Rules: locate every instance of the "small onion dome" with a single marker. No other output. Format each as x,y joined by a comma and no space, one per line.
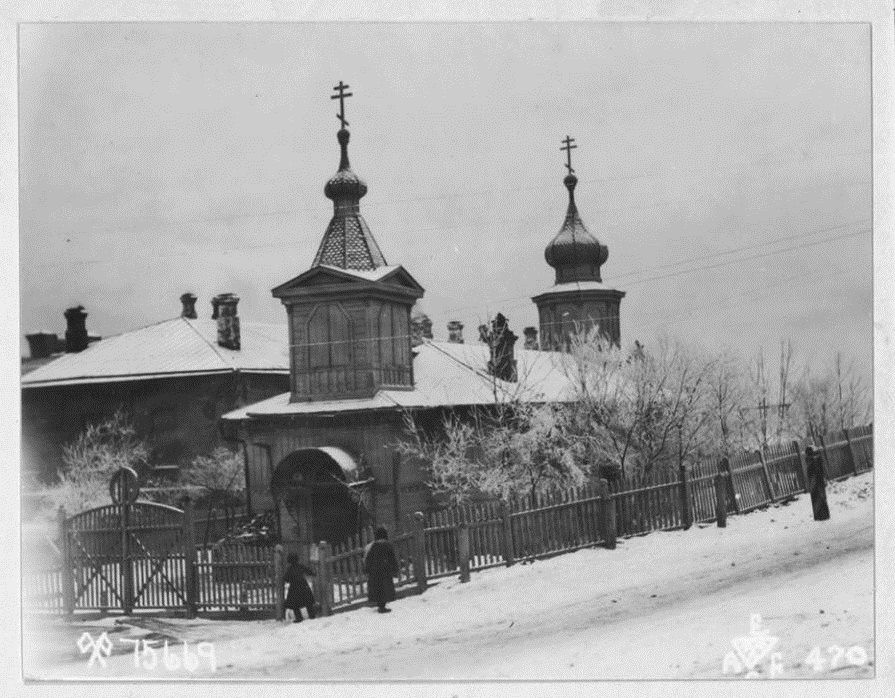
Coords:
347,242
574,252
344,185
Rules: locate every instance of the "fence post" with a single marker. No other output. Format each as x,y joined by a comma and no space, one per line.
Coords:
68,581
803,466
766,476
278,572
419,550
851,452
243,599
721,498
324,552
127,567
684,486
817,484
731,488
463,550
189,558
607,515
509,554
826,457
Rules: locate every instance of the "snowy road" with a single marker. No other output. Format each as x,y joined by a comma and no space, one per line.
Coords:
666,605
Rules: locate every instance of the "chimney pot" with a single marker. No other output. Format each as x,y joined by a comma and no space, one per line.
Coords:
455,332
42,344
189,306
531,338
76,338
224,305
420,329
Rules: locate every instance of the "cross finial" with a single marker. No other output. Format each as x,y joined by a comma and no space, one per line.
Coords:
340,88
568,148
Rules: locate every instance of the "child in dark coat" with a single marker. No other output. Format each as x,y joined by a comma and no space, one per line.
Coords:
381,565
300,594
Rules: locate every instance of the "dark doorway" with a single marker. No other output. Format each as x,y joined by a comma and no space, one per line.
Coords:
312,487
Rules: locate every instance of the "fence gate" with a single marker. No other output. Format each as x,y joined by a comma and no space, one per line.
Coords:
128,555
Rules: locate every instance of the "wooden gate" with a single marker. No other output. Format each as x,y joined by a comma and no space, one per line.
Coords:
128,555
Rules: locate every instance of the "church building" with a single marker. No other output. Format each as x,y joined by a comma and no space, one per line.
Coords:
325,455
578,300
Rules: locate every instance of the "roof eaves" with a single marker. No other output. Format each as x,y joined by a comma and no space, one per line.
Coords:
120,378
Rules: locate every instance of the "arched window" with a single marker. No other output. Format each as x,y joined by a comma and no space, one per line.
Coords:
329,337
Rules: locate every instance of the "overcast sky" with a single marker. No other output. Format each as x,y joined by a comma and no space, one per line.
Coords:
163,158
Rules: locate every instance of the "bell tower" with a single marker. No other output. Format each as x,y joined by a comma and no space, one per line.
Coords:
578,300
349,314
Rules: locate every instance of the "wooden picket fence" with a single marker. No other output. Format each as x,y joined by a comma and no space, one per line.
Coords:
238,576
471,537
235,576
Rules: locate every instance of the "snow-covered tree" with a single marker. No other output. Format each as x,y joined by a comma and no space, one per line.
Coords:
838,398
642,410
91,459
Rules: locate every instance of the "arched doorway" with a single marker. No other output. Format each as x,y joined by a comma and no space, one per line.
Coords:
311,489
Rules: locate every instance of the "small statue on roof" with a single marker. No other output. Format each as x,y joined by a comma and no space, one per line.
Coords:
501,341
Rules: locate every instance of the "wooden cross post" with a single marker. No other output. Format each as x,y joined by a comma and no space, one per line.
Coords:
568,147
342,94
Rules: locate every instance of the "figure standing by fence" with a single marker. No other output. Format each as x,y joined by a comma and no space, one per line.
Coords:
817,484
300,595
381,565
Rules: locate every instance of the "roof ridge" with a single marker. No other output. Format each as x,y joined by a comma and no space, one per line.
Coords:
135,329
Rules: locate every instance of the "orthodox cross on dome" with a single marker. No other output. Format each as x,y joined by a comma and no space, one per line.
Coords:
568,148
340,88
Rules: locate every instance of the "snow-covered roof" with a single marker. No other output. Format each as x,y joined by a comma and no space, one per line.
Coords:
367,274
178,347
445,374
577,286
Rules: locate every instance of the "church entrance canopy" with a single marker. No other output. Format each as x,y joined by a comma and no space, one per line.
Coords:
316,503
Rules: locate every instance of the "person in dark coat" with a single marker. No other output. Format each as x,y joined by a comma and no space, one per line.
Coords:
381,566
300,595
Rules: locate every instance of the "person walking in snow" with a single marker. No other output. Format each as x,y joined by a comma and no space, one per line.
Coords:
381,566
300,595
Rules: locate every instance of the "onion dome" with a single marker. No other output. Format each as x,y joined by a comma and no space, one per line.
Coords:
347,242
574,252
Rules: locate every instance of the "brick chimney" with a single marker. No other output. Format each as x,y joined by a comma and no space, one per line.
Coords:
189,306
76,338
224,305
455,331
501,341
42,344
420,329
531,338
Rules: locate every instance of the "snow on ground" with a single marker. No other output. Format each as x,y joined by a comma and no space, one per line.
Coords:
665,605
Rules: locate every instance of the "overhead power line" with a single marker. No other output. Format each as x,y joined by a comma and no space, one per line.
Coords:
616,317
